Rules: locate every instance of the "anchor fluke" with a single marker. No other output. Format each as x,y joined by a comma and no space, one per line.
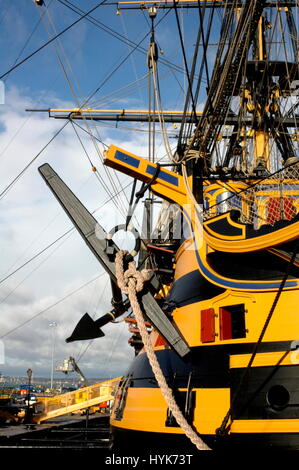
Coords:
86,328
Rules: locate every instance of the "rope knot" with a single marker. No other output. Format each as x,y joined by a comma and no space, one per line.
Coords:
131,278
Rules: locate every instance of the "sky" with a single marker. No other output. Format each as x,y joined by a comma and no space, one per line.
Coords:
91,64
66,280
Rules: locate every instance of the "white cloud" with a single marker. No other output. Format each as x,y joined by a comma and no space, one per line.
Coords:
30,219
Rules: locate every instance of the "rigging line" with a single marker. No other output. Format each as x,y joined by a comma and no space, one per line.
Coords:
51,40
278,124
25,121
11,184
115,98
119,207
108,175
185,61
282,31
224,426
83,352
60,237
204,41
99,24
131,57
219,71
246,44
110,178
226,22
87,131
254,115
172,134
83,147
117,35
29,37
38,237
15,134
228,156
159,109
63,53
52,305
151,125
75,96
121,328
201,70
101,180
70,84
187,97
137,81
121,63
31,272
36,255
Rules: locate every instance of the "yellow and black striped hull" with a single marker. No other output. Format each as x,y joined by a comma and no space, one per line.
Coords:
222,327
216,372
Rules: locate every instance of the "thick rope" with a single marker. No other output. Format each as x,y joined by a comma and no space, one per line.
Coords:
130,282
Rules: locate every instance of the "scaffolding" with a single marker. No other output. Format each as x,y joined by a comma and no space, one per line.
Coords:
75,401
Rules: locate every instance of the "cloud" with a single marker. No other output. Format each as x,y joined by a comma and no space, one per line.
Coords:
30,219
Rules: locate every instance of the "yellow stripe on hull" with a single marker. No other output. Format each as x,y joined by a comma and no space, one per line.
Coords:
265,426
262,242
146,410
286,358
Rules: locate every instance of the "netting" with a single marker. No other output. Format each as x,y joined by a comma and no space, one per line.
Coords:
268,201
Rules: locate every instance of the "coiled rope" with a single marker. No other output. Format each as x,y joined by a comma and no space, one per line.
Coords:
131,282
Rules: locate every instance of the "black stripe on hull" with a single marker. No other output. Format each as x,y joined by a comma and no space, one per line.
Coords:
189,289
209,365
125,439
149,443
267,393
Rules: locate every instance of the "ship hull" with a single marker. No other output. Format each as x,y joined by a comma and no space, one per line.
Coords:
143,443
265,414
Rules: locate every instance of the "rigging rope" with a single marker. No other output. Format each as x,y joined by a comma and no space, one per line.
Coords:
11,184
131,282
119,36
51,306
93,167
51,40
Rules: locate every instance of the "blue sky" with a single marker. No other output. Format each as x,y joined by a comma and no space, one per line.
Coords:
92,52
30,218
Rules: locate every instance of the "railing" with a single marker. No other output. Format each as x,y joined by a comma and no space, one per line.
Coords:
269,200
86,397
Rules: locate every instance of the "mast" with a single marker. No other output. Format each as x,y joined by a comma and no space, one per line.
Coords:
245,70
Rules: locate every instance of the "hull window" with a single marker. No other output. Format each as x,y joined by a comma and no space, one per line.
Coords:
232,322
